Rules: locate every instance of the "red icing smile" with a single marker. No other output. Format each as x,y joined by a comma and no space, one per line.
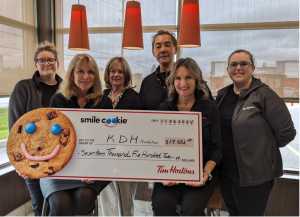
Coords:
111,126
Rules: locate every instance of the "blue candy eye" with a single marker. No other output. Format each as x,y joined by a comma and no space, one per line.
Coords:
55,129
114,120
108,121
30,128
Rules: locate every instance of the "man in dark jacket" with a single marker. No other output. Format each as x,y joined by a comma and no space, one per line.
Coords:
153,89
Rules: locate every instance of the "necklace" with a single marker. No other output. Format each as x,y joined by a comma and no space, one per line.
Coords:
117,99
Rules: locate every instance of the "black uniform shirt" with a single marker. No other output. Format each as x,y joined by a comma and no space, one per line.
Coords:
59,101
48,91
228,165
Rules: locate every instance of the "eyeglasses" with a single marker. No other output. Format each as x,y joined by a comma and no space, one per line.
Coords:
243,65
43,61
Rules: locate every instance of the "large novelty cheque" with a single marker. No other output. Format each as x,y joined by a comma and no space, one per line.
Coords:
135,145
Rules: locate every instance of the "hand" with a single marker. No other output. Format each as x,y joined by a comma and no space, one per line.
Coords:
205,178
170,183
194,184
87,181
22,175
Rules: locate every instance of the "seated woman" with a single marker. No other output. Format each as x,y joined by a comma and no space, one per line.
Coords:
187,92
118,77
80,89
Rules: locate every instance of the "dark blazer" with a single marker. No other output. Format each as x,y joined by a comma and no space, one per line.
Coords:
261,123
59,101
211,127
129,100
154,91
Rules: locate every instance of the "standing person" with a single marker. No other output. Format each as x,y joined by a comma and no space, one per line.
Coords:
187,92
32,94
81,89
255,122
118,80
154,89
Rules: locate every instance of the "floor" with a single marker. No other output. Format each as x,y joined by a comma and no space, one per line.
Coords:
141,208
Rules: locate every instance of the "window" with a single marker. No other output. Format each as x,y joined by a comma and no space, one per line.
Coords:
220,69
269,29
3,128
290,153
254,11
273,59
105,21
291,69
257,27
17,39
111,13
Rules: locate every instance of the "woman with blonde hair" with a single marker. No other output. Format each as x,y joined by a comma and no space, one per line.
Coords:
117,77
188,92
82,86
118,81
34,93
80,89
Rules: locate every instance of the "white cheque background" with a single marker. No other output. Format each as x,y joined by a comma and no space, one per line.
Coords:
92,158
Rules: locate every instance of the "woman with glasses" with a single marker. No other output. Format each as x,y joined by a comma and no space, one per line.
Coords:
118,80
81,89
255,122
35,93
188,92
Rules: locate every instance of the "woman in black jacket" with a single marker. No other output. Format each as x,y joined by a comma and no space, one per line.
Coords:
255,122
81,89
187,92
118,81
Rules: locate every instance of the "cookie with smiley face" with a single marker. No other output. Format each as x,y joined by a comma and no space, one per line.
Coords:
41,142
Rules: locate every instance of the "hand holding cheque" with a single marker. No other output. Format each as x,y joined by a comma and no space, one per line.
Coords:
135,145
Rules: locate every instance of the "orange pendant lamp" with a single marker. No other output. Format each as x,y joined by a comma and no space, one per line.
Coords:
78,36
189,33
133,33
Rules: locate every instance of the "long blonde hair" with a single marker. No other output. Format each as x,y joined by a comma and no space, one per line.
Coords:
69,89
196,72
126,69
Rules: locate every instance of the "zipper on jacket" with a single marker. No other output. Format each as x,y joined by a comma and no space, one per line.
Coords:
234,111
236,156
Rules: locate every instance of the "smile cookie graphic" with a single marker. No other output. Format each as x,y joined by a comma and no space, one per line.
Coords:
41,142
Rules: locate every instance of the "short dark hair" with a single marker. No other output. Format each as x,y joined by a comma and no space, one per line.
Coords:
45,46
164,32
242,51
